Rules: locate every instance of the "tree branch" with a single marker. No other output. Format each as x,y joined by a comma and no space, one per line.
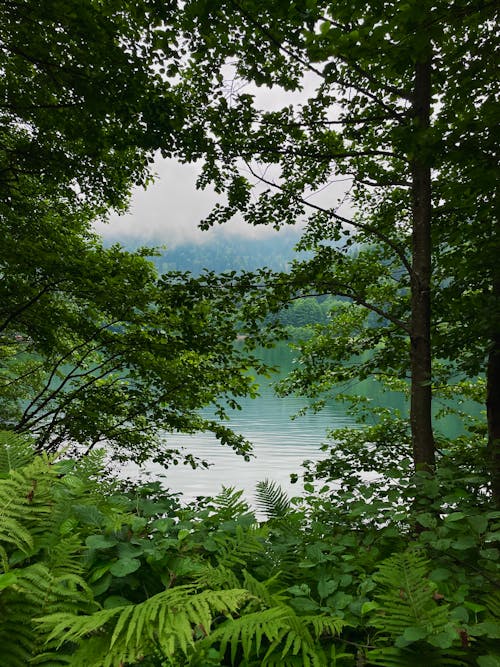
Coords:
355,223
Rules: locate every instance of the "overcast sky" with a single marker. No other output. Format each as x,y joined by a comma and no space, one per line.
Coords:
170,210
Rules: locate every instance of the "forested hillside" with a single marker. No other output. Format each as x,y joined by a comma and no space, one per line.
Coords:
229,253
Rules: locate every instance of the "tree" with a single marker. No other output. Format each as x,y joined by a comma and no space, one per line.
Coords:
94,345
96,348
402,107
84,103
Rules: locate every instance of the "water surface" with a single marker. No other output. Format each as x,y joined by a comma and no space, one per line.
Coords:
280,443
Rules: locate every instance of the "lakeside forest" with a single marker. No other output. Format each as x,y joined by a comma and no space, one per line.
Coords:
388,555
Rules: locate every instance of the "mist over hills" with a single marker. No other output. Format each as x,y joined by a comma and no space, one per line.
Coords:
225,252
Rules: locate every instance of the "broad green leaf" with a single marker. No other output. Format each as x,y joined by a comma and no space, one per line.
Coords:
124,566
7,579
326,587
101,541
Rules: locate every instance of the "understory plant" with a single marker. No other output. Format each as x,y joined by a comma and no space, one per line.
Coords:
95,574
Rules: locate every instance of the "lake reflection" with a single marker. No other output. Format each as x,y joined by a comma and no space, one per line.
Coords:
280,446
280,443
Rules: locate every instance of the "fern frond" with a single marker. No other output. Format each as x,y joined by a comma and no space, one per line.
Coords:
239,548
263,589
217,578
249,630
36,591
406,597
275,636
395,657
14,533
64,557
492,603
325,625
271,499
16,452
302,640
167,619
410,619
228,502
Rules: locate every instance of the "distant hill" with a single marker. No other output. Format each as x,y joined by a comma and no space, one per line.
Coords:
229,253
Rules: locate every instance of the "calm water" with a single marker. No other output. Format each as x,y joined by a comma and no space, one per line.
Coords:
280,443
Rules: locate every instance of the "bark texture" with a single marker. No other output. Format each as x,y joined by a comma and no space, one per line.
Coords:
420,337
493,400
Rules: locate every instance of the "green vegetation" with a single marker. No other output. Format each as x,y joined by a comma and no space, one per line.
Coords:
95,575
390,554
399,104
226,253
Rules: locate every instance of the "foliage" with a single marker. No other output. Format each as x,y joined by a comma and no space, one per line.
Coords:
95,346
271,499
131,577
84,105
222,253
132,354
383,143
41,558
375,563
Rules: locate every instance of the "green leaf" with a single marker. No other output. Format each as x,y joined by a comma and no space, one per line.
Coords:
478,522
488,661
304,605
102,585
460,614
486,628
115,601
443,639
326,587
7,579
464,542
440,574
101,541
299,590
124,566
410,635
340,600
369,606
454,516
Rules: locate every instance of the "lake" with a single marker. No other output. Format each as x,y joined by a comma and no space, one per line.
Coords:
280,443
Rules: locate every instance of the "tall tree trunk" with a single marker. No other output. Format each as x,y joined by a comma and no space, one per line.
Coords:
493,396
420,338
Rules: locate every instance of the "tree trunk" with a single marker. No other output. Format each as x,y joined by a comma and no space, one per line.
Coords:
420,337
493,399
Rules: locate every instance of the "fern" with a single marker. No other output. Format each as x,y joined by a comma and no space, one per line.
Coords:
15,452
277,636
167,620
408,614
492,603
272,500
263,589
36,591
217,578
407,597
42,569
238,548
228,503
394,657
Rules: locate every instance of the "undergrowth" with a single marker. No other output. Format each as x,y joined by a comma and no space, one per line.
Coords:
401,572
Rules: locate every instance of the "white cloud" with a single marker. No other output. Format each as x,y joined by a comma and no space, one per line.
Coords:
171,209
